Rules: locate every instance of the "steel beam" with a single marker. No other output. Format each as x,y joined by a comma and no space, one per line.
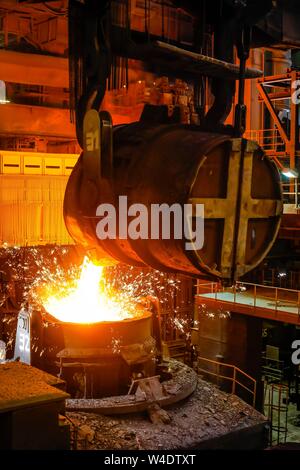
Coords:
35,120
34,69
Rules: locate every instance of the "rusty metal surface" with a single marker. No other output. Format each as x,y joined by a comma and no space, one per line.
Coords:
241,211
237,184
182,62
198,64
181,385
22,386
99,359
80,336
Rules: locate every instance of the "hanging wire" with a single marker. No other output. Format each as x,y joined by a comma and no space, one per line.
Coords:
76,65
145,16
147,8
162,20
128,36
120,16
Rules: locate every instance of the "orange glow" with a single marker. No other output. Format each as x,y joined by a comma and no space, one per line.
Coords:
88,299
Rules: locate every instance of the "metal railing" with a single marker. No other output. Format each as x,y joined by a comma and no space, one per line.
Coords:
273,144
279,298
290,192
269,139
276,409
236,377
276,277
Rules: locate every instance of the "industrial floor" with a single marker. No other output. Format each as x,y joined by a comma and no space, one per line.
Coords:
208,419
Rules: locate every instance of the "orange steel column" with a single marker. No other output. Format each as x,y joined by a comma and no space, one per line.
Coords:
294,136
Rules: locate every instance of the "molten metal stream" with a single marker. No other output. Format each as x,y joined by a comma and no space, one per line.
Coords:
89,300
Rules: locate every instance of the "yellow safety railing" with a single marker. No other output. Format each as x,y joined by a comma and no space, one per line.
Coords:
236,376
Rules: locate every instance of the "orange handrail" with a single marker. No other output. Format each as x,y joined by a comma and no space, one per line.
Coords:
232,378
215,289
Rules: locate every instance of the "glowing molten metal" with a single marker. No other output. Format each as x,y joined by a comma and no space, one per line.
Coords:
88,299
